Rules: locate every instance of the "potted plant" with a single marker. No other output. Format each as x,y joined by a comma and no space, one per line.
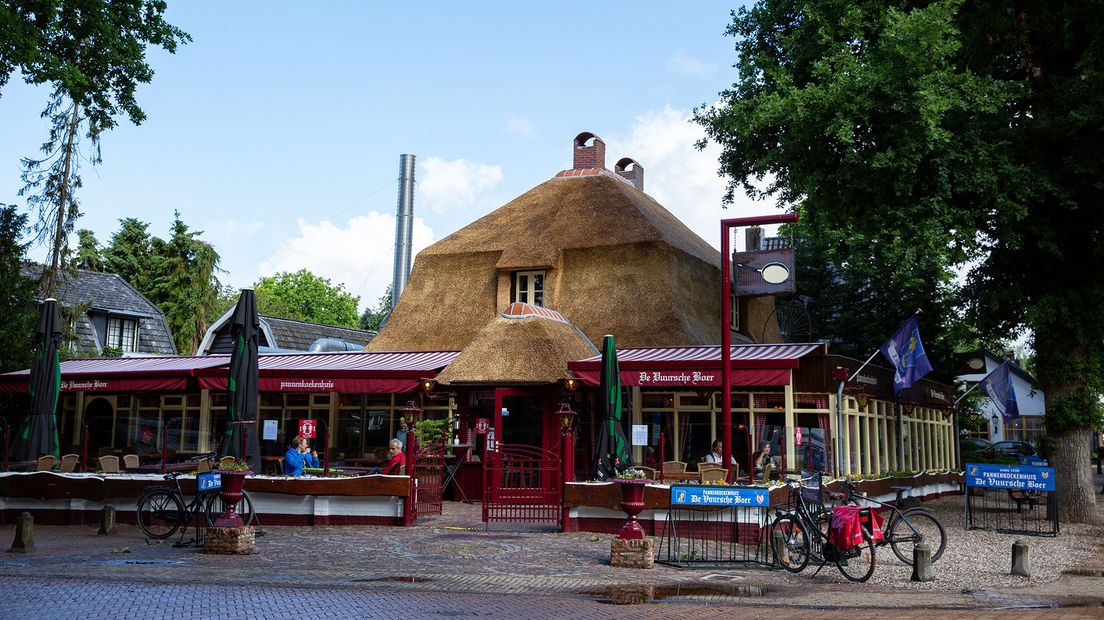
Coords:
233,479
632,482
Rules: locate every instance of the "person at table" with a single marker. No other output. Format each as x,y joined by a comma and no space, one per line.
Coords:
394,466
716,456
145,447
298,456
764,458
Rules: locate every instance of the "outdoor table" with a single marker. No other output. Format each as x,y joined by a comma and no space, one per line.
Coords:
459,453
688,476
155,468
363,460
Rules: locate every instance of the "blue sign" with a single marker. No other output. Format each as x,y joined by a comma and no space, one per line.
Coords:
1025,477
719,496
1034,461
208,481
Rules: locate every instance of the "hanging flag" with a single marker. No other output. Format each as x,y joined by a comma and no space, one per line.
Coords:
905,350
998,387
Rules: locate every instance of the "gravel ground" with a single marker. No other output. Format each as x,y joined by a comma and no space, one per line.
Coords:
979,559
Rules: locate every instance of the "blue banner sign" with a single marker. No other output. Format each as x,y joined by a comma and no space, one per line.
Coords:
208,481
719,496
1034,461
1024,477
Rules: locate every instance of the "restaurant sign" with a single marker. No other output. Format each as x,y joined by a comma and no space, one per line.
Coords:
677,377
719,496
308,428
1024,477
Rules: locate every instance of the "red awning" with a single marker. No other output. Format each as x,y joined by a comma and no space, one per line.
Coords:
752,365
121,374
348,372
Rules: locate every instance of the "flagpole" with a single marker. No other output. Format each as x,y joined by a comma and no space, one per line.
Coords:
978,382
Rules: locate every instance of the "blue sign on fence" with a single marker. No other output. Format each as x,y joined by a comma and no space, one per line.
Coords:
208,481
719,496
1034,461
1010,477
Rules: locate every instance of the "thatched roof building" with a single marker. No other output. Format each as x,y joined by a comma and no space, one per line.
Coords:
601,251
525,345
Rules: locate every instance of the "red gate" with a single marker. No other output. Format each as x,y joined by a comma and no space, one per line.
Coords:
521,485
429,474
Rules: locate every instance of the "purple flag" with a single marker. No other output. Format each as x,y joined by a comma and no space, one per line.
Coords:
905,350
998,386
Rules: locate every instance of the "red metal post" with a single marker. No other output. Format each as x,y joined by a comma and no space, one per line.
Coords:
326,467
245,443
84,448
726,321
567,474
164,447
7,444
411,497
662,454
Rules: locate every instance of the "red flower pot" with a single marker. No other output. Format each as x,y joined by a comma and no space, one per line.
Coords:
230,494
632,502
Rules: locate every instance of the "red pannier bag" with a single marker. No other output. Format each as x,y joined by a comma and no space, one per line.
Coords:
846,530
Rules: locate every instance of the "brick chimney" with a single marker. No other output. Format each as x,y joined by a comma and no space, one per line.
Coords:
631,170
593,156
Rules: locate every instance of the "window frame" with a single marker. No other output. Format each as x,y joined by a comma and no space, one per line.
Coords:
121,343
530,291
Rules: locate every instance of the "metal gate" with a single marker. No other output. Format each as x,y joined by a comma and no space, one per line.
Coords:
429,474
521,485
715,536
1012,499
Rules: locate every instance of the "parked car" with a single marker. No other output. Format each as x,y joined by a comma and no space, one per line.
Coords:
967,444
1009,448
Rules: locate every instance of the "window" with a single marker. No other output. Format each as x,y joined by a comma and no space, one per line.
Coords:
529,287
122,334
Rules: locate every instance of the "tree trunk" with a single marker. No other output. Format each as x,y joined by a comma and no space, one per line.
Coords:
1073,478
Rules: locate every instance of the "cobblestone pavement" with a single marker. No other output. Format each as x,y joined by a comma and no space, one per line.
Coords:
447,566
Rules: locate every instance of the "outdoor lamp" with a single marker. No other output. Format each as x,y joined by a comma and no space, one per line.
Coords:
427,385
567,418
410,411
569,383
995,418
863,399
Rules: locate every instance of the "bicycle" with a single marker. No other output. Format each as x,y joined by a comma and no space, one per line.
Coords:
919,524
162,510
800,535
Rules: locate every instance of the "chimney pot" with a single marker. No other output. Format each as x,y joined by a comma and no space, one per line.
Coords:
593,156
630,169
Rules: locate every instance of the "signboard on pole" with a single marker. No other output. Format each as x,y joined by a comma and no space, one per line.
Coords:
719,496
308,428
1016,477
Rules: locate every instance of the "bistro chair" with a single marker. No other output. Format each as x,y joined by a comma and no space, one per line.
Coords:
707,465
130,461
203,465
46,463
276,468
713,475
69,463
227,461
674,467
650,472
109,464
766,474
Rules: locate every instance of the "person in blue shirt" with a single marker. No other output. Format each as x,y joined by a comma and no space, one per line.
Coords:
298,456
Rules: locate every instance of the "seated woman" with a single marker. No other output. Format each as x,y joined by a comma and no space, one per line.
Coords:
298,456
394,466
764,460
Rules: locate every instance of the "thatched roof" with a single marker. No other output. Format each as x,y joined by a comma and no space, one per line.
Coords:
522,348
616,262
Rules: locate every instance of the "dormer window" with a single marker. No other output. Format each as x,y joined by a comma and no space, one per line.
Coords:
529,287
122,334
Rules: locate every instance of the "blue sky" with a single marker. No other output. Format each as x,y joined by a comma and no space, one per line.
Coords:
278,130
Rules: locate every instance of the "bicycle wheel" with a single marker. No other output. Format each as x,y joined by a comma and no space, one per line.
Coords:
791,548
215,508
159,513
857,564
916,525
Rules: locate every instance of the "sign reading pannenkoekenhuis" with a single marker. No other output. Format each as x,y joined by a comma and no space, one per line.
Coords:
719,496
1023,477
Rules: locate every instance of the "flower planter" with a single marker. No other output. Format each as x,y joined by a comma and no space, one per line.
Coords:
230,494
632,502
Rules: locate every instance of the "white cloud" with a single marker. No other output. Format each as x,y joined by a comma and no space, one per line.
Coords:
227,231
520,127
360,255
679,176
681,62
454,185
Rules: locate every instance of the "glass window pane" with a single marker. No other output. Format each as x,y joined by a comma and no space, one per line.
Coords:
538,298
523,283
538,281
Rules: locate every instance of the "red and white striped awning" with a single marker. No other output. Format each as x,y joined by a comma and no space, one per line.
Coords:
752,364
121,374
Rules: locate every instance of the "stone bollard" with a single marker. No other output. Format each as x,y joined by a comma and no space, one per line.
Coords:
778,540
24,527
921,563
107,521
1021,559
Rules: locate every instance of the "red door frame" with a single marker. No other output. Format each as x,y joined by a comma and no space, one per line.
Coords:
550,439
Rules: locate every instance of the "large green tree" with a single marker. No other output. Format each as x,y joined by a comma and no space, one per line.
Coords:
129,254
17,304
186,286
304,296
373,317
946,134
92,54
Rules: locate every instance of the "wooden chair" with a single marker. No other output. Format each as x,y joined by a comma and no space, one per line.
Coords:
713,475
227,461
46,463
130,460
650,472
708,465
276,468
69,462
674,467
109,464
203,465
766,473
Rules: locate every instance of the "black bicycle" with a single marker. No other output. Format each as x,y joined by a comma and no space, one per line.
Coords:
162,509
905,528
805,533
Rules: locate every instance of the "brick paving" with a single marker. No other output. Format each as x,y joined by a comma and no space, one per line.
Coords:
451,566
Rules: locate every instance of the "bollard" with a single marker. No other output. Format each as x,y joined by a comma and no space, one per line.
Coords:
24,527
779,542
921,563
1021,559
107,521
